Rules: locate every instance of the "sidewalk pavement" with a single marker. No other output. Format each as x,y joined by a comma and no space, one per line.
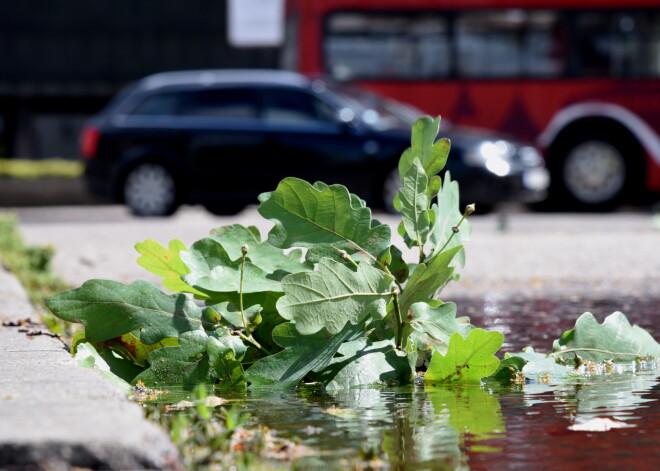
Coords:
57,416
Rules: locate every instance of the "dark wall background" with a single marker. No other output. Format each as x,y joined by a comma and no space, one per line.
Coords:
61,60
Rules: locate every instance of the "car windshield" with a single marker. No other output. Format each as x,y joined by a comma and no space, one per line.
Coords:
374,110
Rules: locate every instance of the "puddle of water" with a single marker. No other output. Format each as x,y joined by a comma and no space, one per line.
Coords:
483,427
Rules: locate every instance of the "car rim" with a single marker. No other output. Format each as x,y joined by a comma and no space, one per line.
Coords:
150,190
594,172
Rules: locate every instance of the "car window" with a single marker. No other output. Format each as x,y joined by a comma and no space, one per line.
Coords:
222,103
164,104
294,106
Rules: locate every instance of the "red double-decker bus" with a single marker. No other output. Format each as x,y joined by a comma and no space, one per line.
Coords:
580,78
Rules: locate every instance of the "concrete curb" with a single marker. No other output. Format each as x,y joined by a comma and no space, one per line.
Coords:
55,415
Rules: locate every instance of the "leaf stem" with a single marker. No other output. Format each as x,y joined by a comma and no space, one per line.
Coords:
469,209
244,251
399,318
253,341
246,326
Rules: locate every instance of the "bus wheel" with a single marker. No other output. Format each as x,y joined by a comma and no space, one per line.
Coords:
150,189
594,174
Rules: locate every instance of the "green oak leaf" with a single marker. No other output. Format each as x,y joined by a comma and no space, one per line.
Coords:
131,348
325,219
615,339
417,218
428,279
434,323
467,359
225,354
393,258
87,357
301,355
447,216
431,153
109,309
334,295
229,313
364,362
508,370
199,358
261,254
184,364
167,263
540,367
212,271
356,201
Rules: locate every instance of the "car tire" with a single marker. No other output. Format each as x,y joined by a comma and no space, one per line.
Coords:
150,189
391,184
224,209
594,173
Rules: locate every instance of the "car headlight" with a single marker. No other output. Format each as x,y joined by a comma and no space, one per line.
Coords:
530,157
494,155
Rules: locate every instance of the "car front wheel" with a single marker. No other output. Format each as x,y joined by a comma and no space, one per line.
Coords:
150,189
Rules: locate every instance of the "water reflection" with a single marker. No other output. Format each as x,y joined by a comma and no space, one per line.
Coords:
482,427
471,427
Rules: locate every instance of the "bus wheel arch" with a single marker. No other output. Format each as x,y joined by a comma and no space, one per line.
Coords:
595,163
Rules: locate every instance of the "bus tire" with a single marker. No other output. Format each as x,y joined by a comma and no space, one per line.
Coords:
594,172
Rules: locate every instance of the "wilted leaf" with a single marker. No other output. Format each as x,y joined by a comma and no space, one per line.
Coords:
615,339
167,263
324,220
467,359
109,309
333,296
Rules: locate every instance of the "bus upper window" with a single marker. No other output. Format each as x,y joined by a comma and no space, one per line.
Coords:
510,43
618,44
363,45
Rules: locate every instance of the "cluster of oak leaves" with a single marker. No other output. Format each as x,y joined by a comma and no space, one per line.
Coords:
326,298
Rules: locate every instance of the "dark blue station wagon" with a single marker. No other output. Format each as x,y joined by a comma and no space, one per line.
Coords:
221,137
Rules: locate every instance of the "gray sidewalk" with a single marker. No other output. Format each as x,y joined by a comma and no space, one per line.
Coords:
56,416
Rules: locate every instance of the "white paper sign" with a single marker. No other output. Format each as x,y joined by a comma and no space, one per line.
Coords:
255,23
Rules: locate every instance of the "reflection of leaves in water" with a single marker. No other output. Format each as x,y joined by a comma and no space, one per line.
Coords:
620,395
470,409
